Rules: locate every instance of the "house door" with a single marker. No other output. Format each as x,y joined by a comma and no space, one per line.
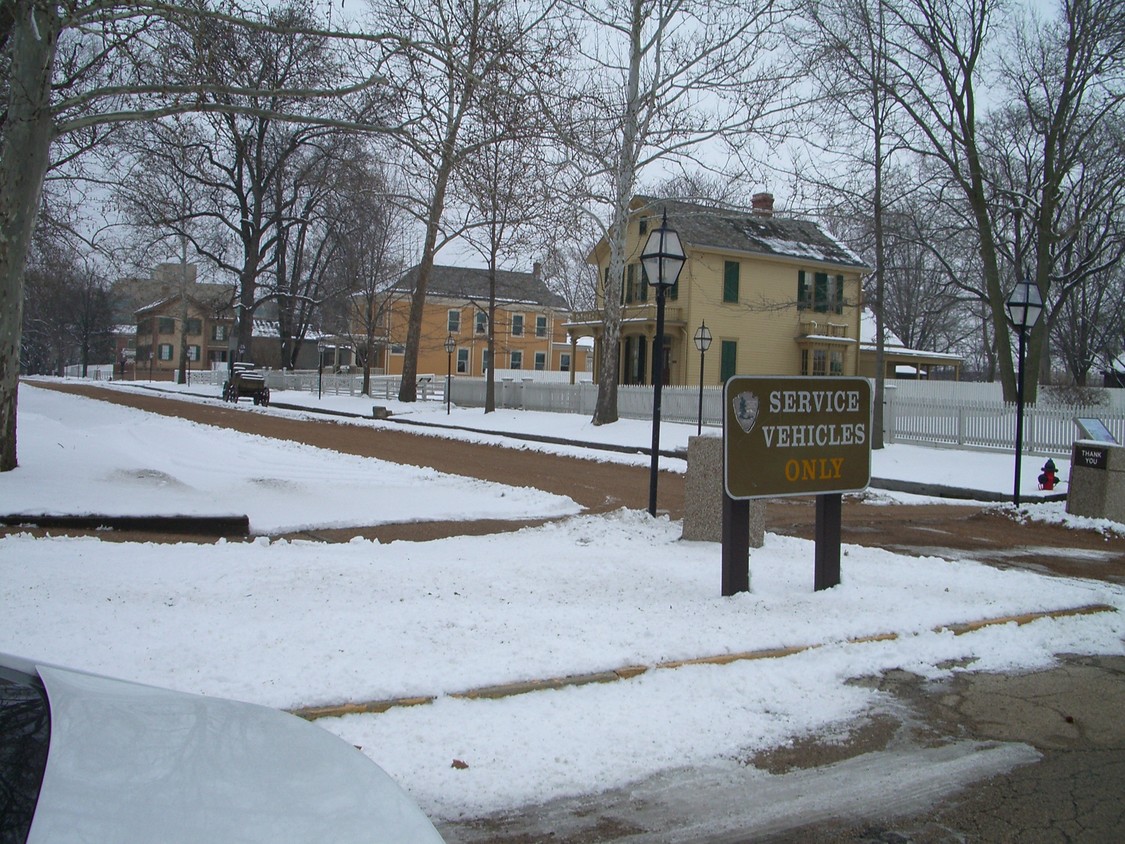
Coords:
636,360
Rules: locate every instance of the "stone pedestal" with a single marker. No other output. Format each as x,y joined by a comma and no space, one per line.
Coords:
703,495
1097,481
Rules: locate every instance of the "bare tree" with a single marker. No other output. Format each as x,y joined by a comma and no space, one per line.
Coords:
654,80
846,58
470,47
1064,75
68,316
74,69
366,228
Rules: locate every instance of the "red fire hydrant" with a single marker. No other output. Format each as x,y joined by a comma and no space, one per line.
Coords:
1049,478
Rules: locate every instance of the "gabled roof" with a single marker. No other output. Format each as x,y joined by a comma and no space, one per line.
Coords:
211,297
712,226
472,283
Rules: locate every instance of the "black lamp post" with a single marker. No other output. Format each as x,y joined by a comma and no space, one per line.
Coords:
450,345
319,370
703,343
663,259
1024,306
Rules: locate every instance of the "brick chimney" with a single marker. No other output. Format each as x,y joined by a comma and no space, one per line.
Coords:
762,204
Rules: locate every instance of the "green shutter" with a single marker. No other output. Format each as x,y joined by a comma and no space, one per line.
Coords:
729,366
839,294
802,291
730,281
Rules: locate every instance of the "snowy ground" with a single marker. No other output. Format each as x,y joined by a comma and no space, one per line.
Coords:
293,624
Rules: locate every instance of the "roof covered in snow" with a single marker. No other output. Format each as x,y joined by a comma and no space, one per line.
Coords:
757,232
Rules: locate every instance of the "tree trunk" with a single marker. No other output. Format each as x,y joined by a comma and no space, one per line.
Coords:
28,129
408,389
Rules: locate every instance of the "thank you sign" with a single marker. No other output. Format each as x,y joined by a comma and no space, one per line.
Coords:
796,436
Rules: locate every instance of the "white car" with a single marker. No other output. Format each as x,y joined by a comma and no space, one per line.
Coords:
92,759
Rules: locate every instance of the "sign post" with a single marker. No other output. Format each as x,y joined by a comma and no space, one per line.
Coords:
788,436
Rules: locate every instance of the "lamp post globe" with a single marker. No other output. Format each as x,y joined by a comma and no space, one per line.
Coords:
1024,307
663,259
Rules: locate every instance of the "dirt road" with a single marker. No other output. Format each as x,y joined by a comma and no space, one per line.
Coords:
987,533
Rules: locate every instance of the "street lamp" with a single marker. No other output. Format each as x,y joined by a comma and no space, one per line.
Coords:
662,259
450,345
703,343
1024,306
319,370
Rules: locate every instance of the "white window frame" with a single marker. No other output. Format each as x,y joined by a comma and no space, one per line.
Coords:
480,323
463,362
453,321
540,361
540,325
516,359
517,325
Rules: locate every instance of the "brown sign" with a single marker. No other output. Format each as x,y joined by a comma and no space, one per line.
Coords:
796,436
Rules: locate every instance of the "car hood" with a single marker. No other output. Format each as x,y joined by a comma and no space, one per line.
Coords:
132,763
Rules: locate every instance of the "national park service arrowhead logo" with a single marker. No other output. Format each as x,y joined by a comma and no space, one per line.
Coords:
746,411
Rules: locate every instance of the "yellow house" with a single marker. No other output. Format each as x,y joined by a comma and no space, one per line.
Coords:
530,324
779,296
198,325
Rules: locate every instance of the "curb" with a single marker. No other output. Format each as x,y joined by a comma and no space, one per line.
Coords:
232,525
505,690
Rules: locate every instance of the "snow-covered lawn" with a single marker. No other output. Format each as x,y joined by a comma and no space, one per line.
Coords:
293,624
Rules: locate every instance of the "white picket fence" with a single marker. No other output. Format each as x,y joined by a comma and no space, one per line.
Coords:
978,417
943,413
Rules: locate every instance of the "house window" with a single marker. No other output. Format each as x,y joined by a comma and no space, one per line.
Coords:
164,351
642,226
517,325
540,361
453,322
836,362
217,355
167,325
729,360
826,293
636,284
398,349
564,362
193,353
485,361
481,323
730,281
540,326
195,327
219,332
462,361
517,360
